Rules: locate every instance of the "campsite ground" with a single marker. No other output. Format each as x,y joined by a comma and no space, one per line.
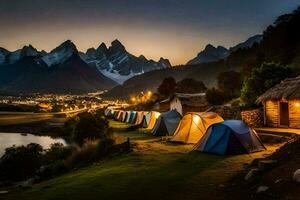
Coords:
156,169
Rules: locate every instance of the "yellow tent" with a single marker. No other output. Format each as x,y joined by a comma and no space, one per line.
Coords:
194,125
149,119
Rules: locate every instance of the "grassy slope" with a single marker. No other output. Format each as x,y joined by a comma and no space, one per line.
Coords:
154,170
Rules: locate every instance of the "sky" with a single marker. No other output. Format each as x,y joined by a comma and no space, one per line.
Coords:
173,29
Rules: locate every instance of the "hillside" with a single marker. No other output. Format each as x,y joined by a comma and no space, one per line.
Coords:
150,81
155,169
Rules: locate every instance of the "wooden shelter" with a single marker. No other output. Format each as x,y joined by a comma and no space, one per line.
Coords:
282,104
185,103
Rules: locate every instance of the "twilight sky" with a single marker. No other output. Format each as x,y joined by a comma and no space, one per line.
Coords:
174,29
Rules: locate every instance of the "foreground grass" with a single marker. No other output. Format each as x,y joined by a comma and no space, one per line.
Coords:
156,169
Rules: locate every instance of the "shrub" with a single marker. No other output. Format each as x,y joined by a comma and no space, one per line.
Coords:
167,87
87,126
89,152
190,86
230,82
90,127
19,163
217,97
56,152
261,79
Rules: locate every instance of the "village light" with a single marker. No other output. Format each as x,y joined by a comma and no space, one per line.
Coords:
133,99
297,104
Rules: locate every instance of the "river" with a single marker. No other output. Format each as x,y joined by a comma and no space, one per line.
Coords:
10,139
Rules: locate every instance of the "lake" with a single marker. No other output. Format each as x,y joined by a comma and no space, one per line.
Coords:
10,139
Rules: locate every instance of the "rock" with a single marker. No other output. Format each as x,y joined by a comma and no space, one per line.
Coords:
251,173
266,164
278,180
3,192
296,176
262,188
27,183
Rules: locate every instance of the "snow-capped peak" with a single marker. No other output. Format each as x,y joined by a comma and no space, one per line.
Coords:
60,53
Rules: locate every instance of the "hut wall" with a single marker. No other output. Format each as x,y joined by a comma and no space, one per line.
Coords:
272,113
294,114
176,104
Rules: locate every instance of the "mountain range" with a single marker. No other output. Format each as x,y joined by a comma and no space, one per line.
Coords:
213,54
66,70
119,65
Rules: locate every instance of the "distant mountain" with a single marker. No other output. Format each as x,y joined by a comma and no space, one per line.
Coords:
248,43
210,54
65,69
118,64
7,57
213,54
60,54
60,71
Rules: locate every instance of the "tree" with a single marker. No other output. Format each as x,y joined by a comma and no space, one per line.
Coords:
216,97
230,82
190,86
261,79
167,87
86,126
21,162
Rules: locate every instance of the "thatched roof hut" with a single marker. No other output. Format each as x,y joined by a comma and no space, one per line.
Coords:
288,89
282,104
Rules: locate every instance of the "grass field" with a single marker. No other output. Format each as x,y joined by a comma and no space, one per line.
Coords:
156,169
14,119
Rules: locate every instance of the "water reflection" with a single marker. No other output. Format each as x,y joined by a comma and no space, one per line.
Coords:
10,139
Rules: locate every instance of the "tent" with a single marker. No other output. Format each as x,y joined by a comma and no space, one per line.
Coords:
139,117
119,113
109,112
149,119
230,137
106,112
127,116
194,125
123,117
116,113
166,123
120,116
132,117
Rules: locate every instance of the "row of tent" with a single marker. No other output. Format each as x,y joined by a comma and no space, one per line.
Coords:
207,130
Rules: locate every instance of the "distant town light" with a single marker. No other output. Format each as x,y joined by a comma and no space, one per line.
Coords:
297,104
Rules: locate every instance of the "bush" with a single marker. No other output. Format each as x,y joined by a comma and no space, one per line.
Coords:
19,163
167,87
87,126
56,152
190,86
89,152
261,79
230,82
51,170
217,97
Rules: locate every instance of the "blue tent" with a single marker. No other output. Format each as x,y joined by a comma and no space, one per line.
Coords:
166,123
132,117
228,138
